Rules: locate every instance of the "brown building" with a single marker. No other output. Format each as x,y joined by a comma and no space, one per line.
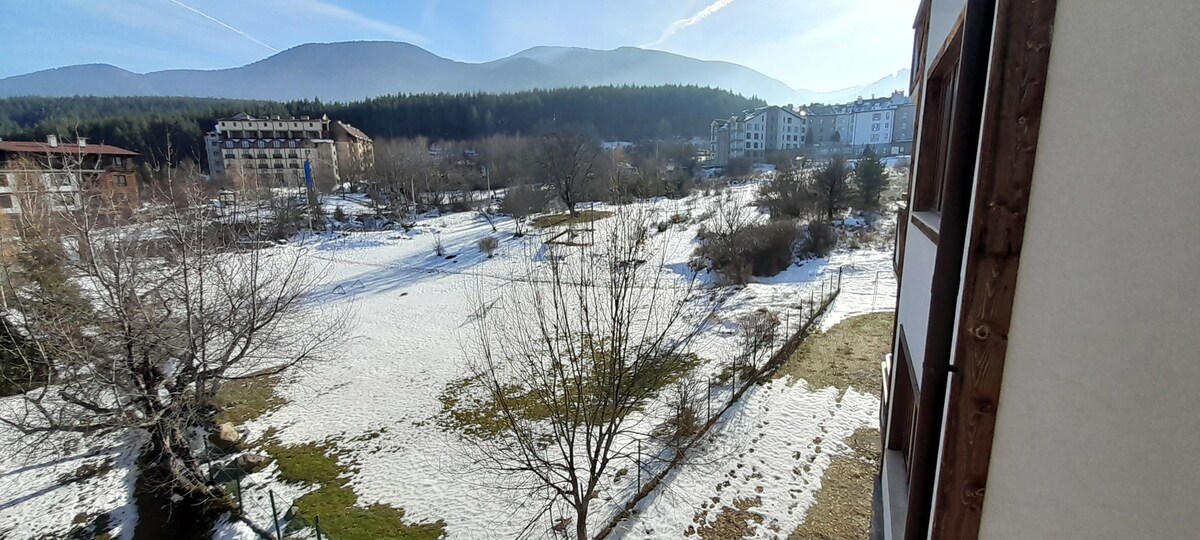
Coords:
67,177
355,150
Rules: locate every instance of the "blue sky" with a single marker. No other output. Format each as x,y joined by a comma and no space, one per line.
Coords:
813,44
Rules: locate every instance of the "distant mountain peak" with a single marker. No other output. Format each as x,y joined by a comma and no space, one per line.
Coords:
351,70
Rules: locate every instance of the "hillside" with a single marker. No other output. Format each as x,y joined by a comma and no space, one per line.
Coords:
357,70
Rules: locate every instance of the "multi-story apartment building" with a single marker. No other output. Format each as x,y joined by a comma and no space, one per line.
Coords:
885,125
355,150
756,132
61,176
1044,371
216,155
274,150
904,119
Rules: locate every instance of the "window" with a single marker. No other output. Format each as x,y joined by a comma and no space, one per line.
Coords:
121,180
874,138
6,201
905,396
261,144
245,144
875,127
876,116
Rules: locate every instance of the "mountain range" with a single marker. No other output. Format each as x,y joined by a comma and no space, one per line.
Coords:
360,69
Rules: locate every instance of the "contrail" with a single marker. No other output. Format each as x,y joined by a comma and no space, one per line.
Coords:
684,23
218,21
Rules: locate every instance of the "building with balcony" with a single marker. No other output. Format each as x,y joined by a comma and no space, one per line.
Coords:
756,132
273,150
1042,381
355,150
67,177
885,125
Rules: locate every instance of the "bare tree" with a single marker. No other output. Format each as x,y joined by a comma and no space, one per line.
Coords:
723,241
568,356
791,193
566,161
520,202
402,168
145,324
504,157
832,187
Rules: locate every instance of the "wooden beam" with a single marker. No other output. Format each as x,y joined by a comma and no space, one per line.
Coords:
1008,146
962,74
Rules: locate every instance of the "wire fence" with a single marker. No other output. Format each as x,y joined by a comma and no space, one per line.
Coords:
652,469
275,517
270,514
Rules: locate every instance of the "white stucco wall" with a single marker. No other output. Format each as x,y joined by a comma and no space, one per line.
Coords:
917,277
1098,428
942,15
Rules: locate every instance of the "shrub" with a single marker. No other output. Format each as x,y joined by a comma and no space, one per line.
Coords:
662,226
756,250
821,239
439,248
769,249
488,245
339,214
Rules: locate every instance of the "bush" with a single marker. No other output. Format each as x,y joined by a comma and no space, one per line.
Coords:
770,247
439,248
339,214
757,250
488,245
821,239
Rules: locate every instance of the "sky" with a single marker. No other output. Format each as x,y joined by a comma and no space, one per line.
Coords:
818,45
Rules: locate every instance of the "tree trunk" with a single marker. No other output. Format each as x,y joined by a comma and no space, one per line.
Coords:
581,526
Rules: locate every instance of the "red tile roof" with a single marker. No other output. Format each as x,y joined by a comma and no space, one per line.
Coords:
29,147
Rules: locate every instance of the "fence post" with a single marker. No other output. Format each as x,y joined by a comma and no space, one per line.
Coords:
275,515
639,466
822,292
875,291
840,278
237,482
709,398
317,525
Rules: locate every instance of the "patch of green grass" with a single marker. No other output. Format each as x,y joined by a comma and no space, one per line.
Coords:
582,216
846,356
242,400
336,504
477,411
343,519
472,409
309,463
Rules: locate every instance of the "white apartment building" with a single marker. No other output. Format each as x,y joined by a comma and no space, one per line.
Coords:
756,132
273,149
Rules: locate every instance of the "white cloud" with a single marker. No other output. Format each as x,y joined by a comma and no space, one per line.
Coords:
684,23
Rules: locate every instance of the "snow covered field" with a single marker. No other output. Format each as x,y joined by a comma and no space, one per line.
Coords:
410,311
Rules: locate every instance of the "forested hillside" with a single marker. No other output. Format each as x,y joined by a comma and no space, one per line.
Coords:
150,125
